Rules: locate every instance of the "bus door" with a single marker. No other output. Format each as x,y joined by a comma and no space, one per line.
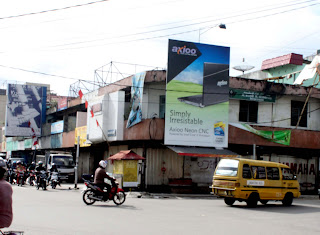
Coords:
274,182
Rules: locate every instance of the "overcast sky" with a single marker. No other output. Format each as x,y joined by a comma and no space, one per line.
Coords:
71,42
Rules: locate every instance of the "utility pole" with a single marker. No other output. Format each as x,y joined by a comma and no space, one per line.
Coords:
76,167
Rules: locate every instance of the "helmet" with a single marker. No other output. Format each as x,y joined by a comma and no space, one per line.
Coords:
3,168
18,162
103,164
40,162
2,163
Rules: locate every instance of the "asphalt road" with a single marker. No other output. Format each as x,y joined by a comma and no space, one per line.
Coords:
62,211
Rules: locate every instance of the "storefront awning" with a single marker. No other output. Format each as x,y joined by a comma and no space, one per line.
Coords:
202,152
126,155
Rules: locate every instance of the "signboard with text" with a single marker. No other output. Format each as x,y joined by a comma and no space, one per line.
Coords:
251,95
197,95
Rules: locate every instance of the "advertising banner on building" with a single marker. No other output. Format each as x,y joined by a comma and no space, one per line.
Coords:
280,137
135,115
82,133
57,127
197,95
62,103
26,107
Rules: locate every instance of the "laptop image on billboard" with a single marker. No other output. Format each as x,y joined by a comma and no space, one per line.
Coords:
215,86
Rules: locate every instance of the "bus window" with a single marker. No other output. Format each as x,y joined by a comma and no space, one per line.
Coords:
259,172
287,174
227,167
246,172
273,173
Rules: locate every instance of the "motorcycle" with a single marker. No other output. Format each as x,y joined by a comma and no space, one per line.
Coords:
20,178
93,193
31,180
42,180
12,176
54,180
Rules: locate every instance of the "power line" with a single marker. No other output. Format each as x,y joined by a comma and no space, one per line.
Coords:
56,9
187,25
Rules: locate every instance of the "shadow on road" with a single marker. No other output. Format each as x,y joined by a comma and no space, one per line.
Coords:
279,208
125,207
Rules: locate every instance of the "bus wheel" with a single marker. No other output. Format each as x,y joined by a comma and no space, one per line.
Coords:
264,202
252,201
287,200
229,201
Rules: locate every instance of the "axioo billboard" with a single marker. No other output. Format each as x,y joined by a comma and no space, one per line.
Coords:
197,95
26,109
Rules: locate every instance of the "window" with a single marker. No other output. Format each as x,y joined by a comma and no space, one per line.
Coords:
246,172
296,110
162,106
273,173
227,167
287,174
248,111
259,172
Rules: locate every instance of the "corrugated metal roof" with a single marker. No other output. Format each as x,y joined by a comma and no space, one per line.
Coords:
292,58
202,152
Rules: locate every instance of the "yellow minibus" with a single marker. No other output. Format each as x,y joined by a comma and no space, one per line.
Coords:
254,180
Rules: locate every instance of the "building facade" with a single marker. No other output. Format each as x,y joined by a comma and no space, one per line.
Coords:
268,119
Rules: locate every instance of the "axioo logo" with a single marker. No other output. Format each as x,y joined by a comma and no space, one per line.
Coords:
222,83
184,51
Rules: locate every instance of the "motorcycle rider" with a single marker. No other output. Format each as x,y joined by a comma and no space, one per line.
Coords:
12,174
100,174
53,169
20,169
32,166
39,168
6,198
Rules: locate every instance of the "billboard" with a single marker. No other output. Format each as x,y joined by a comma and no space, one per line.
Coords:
135,115
197,95
26,109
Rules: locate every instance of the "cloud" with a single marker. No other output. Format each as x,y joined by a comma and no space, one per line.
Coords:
194,76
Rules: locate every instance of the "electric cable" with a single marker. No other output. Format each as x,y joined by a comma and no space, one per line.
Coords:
51,10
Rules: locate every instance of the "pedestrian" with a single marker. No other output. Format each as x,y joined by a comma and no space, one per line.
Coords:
6,215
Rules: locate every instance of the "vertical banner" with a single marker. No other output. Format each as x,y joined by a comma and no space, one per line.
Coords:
25,110
135,115
197,95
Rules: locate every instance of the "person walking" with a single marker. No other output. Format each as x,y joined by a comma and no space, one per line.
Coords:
6,214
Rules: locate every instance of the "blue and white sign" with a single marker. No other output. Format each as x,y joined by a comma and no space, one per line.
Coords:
57,127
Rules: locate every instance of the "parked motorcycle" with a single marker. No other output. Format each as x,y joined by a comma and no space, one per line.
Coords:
42,181
93,193
31,180
54,180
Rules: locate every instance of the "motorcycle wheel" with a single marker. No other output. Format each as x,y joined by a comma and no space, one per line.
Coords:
53,185
119,198
44,186
86,197
38,186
